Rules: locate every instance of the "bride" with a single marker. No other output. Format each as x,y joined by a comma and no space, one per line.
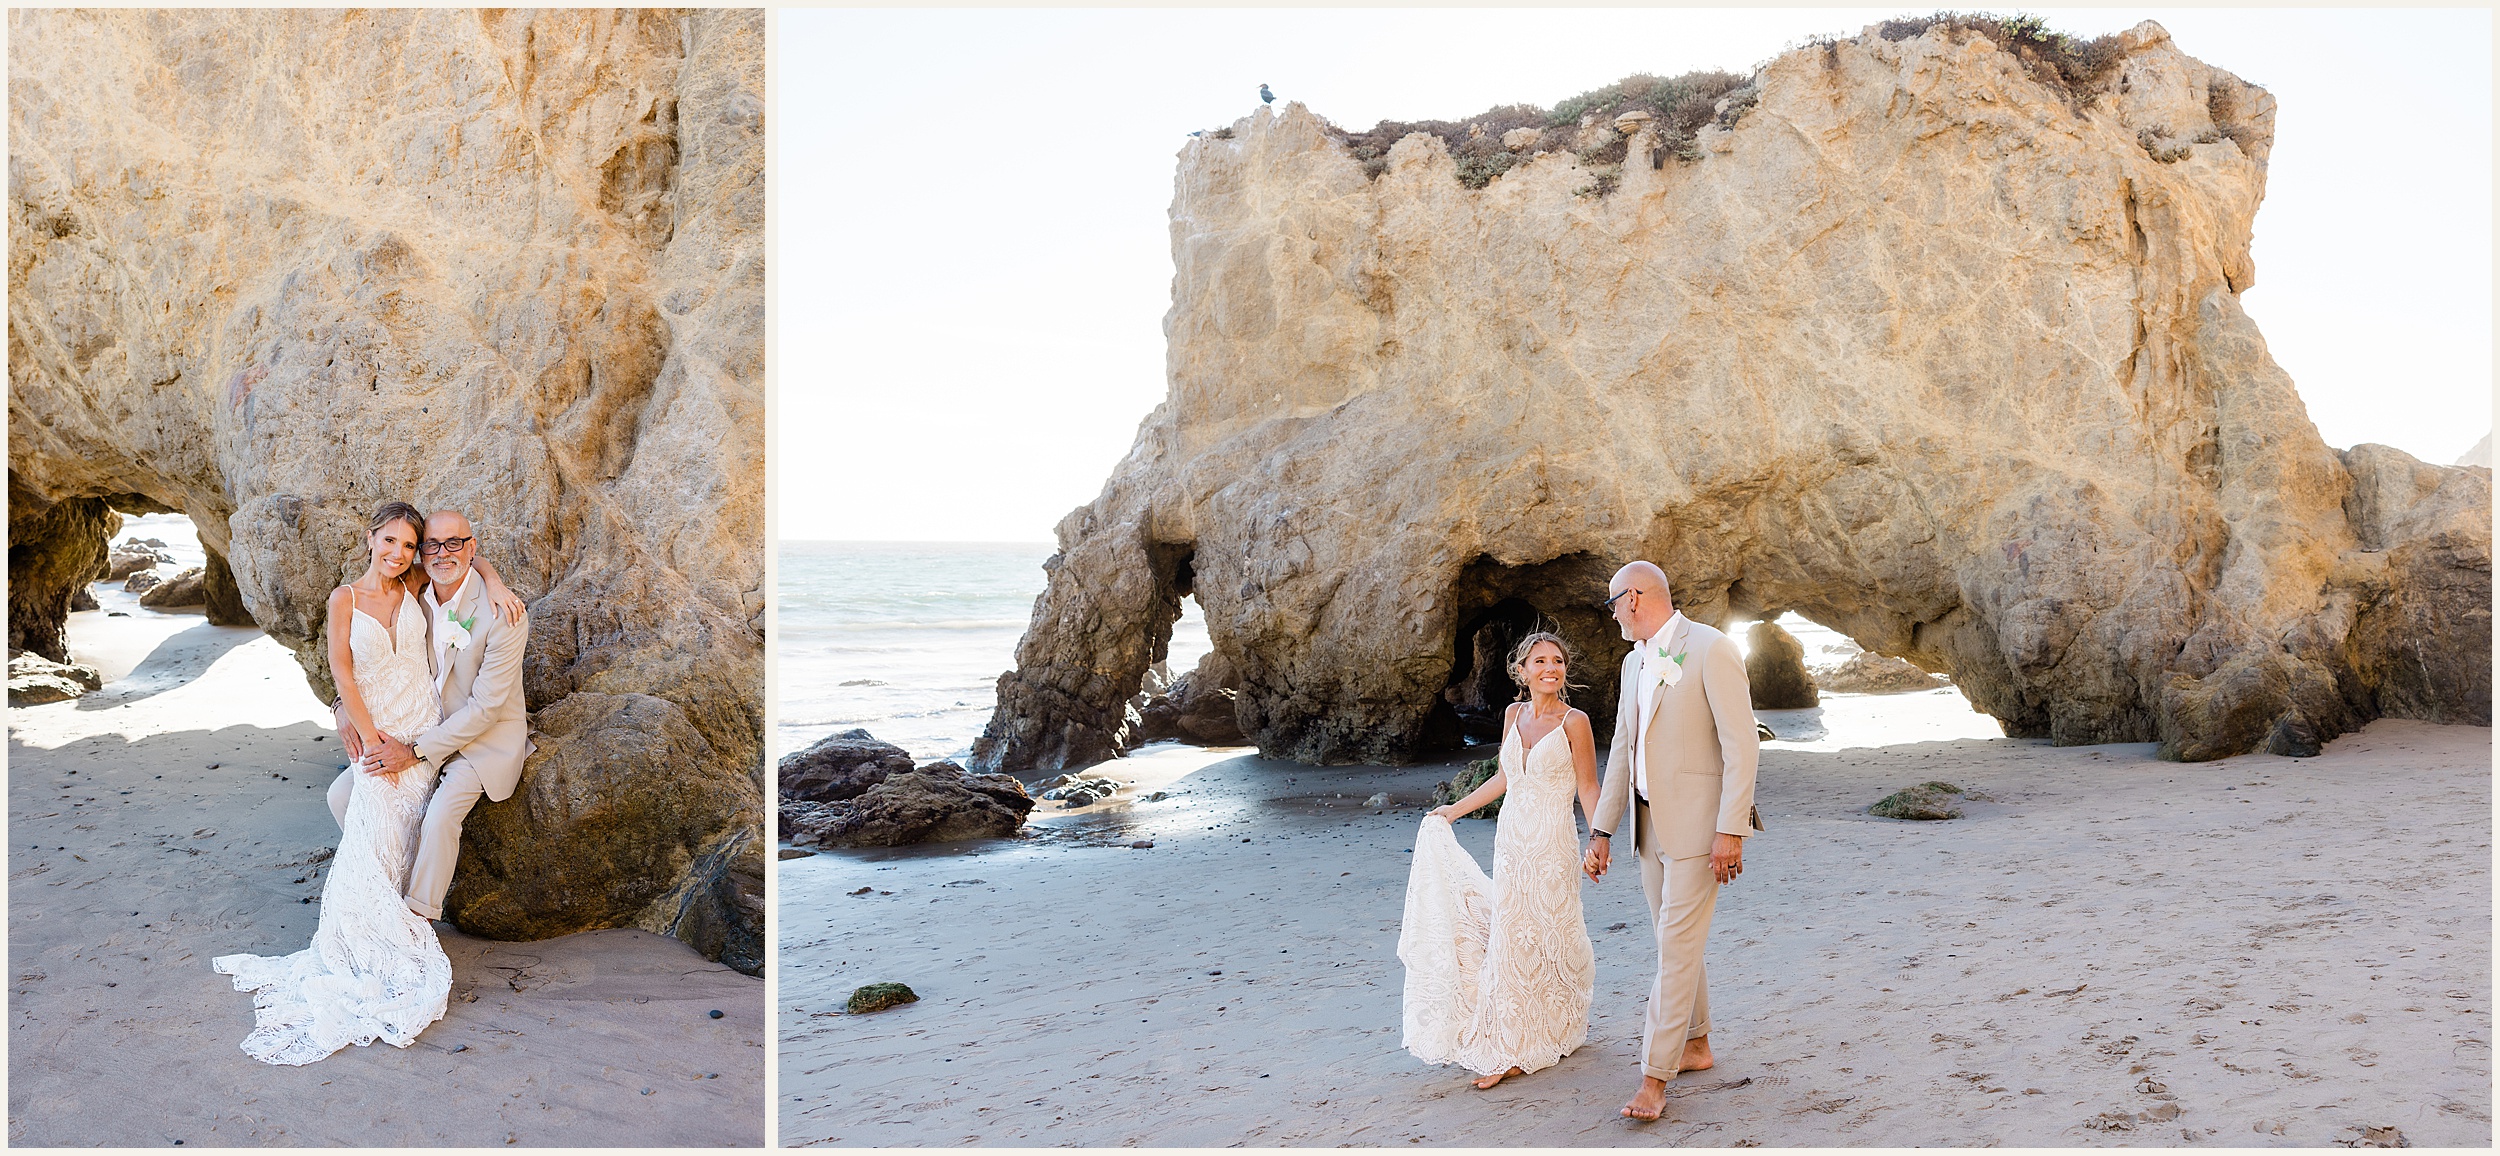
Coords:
375,969
1499,971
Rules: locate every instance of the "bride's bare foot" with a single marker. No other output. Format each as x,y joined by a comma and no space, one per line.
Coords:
1496,1078
1697,1055
1649,1101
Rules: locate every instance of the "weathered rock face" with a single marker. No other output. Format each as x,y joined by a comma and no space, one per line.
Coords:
1197,708
219,594
1775,666
34,679
508,262
1920,349
134,556
937,803
55,548
840,766
182,588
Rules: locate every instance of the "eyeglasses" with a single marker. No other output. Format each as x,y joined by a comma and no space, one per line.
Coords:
445,545
1609,605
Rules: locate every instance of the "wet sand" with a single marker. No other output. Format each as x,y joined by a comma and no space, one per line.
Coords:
133,861
2115,951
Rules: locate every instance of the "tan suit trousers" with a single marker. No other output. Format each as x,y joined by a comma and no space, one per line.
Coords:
1682,894
438,846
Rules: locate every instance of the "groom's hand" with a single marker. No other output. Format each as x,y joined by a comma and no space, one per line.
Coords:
396,756
1594,864
1727,857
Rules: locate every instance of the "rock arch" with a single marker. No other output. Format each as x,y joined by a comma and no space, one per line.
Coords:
506,262
1918,348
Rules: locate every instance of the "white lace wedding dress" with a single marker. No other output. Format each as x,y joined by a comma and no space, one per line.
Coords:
374,971
1499,971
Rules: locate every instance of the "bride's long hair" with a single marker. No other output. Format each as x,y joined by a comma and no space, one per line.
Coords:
1519,664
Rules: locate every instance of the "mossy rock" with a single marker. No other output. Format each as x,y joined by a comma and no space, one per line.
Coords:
1451,791
1928,800
880,996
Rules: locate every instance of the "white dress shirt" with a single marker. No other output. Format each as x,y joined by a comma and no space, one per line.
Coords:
1645,699
442,622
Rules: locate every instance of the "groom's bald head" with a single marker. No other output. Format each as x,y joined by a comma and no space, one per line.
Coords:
1637,594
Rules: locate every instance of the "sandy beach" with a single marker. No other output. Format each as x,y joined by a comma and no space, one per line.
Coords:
177,814
2115,950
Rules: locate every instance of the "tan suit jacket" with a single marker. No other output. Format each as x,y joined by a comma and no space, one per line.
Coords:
1702,749
485,715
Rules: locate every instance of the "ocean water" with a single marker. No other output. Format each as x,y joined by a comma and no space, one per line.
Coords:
907,639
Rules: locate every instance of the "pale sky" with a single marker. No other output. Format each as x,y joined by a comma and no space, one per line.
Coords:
973,259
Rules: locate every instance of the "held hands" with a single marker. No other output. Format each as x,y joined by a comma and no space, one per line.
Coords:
389,757
1727,857
1599,858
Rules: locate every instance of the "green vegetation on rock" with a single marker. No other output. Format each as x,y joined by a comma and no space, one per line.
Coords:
1928,800
1450,791
880,996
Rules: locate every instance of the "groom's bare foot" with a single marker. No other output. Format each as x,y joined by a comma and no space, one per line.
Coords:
1497,1077
1697,1055
1649,1101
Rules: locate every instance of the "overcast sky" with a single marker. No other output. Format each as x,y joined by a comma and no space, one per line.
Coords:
973,261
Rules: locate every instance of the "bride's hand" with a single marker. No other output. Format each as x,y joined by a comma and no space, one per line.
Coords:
506,604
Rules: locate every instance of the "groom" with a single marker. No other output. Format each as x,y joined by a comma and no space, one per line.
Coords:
485,731
1684,753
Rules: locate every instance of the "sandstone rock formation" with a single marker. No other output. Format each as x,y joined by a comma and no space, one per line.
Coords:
1775,666
34,679
505,261
1869,673
1927,346
133,556
937,803
182,588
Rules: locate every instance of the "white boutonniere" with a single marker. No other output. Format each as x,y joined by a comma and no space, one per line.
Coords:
1670,668
456,632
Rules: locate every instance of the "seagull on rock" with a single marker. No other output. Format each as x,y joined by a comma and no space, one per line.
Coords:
1266,97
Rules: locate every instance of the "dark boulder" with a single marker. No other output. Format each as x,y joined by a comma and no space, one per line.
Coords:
937,803
54,548
1775,665
223,599
842,766
1199,708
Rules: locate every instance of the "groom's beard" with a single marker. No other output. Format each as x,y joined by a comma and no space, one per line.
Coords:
444,590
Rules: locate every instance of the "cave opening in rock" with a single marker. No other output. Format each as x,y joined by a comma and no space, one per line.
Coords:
1495,605
1187,693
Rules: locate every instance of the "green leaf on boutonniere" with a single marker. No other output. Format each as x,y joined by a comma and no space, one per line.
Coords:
469,623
